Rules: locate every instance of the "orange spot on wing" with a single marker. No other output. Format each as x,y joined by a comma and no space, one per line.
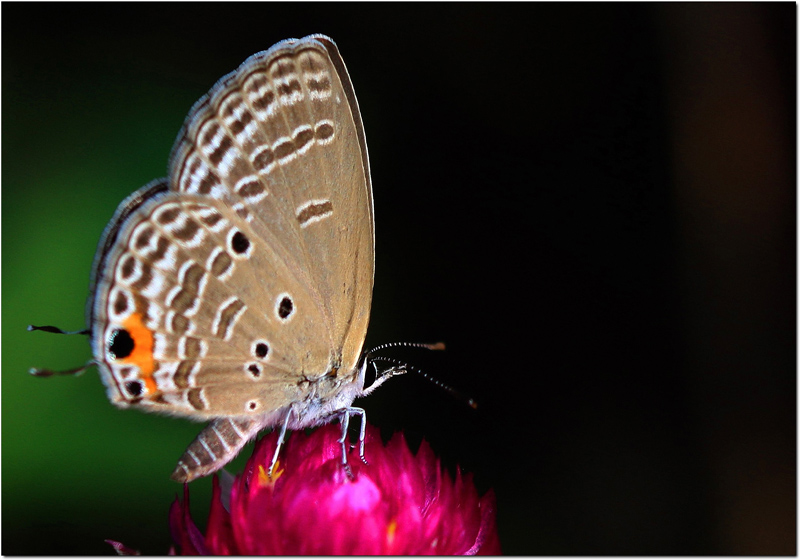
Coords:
142,354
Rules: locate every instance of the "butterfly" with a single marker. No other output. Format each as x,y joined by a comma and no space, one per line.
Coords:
237,290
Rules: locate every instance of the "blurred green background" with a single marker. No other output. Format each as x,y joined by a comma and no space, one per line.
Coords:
593,205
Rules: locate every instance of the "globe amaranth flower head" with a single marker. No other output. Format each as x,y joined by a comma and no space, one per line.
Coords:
397,504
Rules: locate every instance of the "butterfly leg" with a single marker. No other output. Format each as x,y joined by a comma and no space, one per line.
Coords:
281,439
362,434
345,422
385,376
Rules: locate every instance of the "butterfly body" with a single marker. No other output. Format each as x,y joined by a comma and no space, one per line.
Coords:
238,289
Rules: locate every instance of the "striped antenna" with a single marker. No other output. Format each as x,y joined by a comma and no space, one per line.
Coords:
402,367
434,346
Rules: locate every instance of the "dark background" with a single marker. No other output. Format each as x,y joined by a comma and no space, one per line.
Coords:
594,205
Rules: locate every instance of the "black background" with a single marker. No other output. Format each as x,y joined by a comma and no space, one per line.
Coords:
593,205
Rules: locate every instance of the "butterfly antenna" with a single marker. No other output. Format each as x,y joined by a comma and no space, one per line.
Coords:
434,346
444,386
49,372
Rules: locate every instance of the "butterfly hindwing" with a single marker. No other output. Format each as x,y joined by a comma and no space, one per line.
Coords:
174,287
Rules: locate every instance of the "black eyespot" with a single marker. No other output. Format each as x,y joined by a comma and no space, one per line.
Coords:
262,349
285,308
254,370
120,344
252,405
134,388
240,243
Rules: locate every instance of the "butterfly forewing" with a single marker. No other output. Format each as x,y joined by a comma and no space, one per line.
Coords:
252,275
280,141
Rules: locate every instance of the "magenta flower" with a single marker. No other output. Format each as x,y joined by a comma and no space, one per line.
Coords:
397,504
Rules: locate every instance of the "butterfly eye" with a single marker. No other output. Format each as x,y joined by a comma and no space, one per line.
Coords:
120,344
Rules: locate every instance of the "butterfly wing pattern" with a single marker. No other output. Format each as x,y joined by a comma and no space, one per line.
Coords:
238,289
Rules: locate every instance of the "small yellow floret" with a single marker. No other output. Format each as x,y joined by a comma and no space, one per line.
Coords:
264,479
